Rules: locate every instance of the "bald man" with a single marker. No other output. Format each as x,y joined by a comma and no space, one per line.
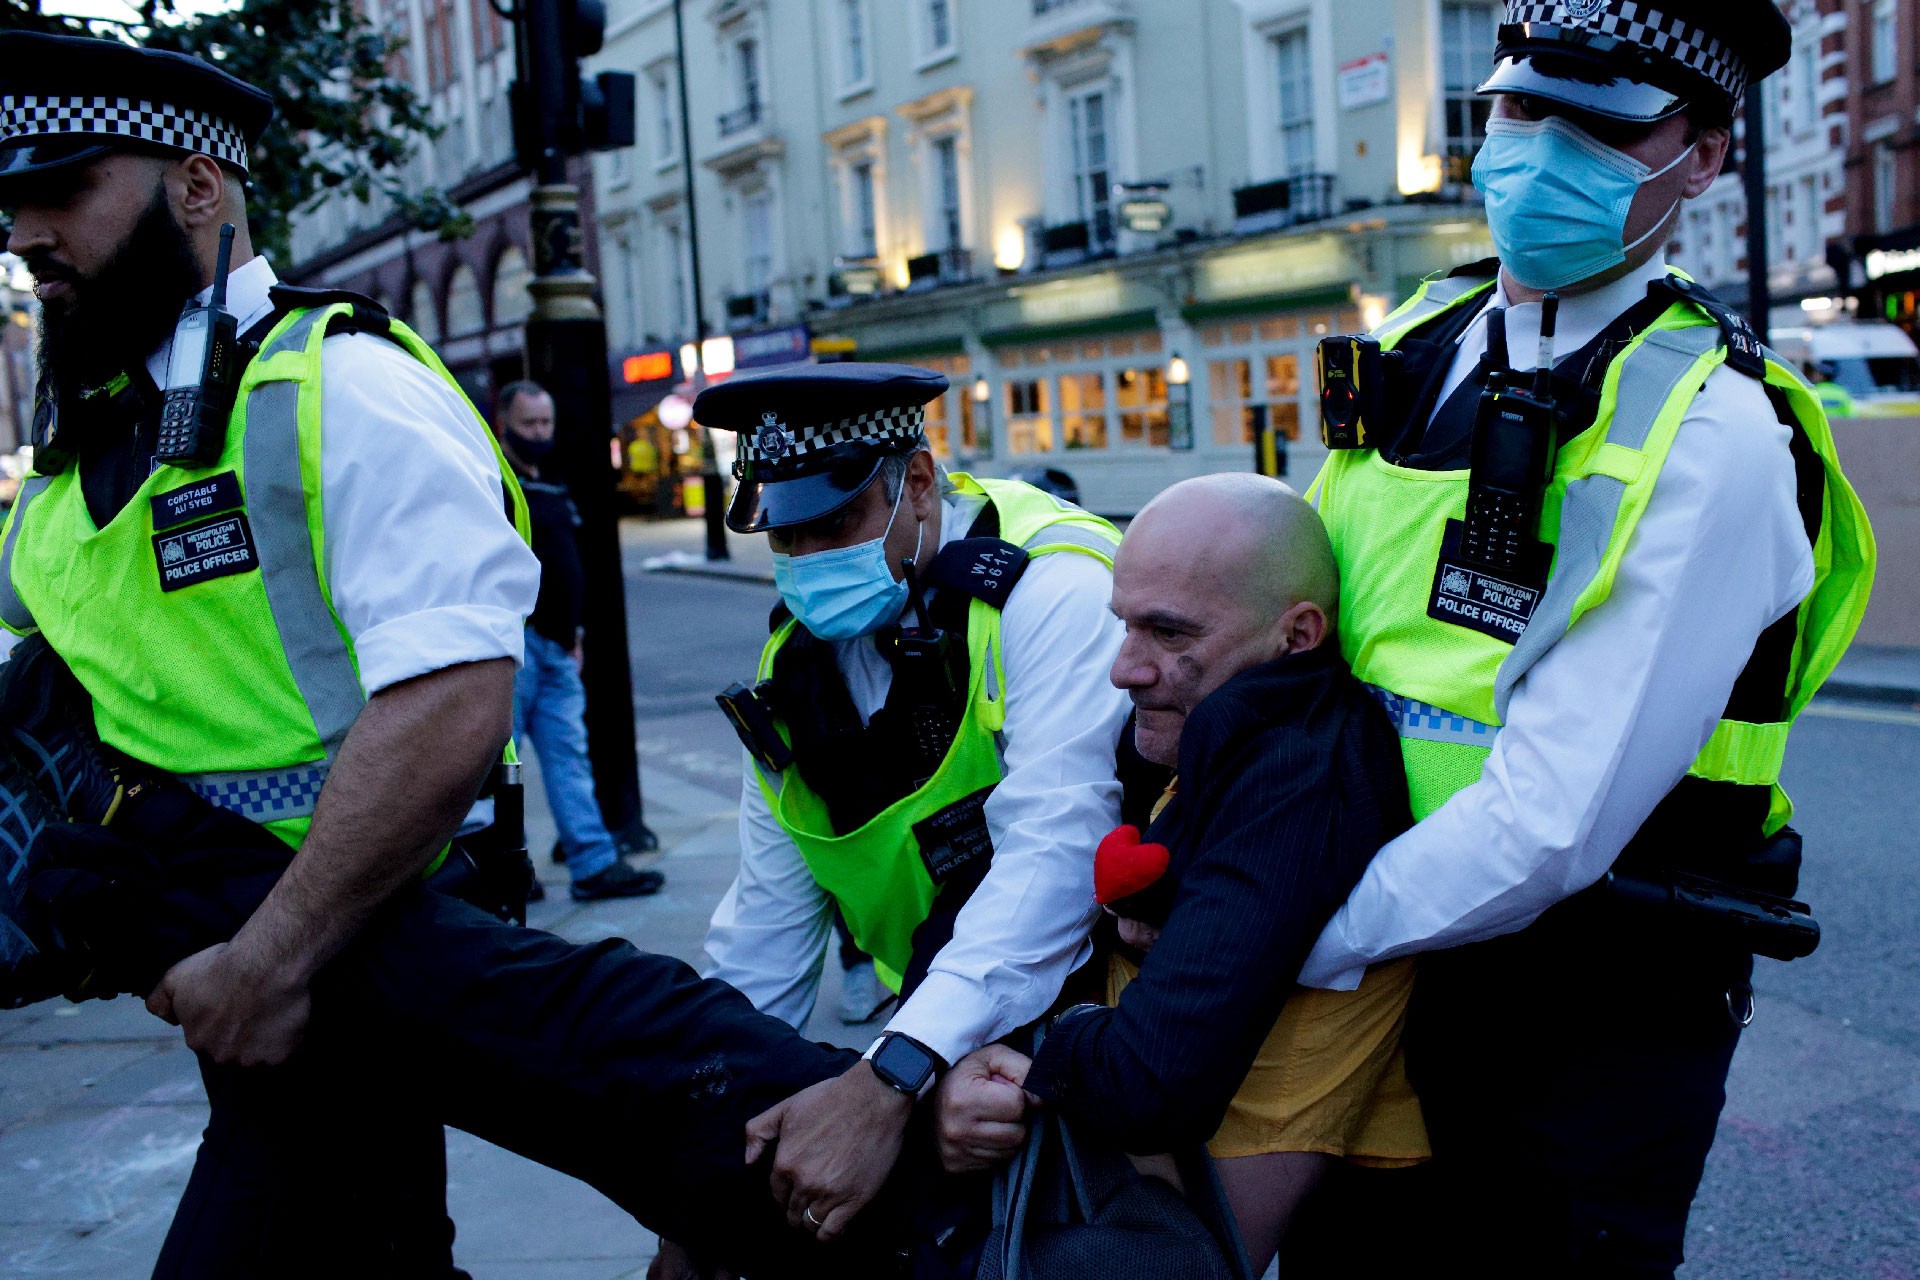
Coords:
1289,779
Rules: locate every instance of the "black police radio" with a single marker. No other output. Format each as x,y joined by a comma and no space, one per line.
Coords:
1515,438
203,371
928,667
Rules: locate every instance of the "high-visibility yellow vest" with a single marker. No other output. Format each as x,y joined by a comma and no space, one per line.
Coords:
876,873
200,619
1447,686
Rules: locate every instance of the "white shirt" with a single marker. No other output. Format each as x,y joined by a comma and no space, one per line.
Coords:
1609,719
425,569
1025,929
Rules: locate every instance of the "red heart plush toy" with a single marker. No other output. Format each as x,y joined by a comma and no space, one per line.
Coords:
1123,866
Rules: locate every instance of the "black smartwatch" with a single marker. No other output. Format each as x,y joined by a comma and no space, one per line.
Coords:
906,1064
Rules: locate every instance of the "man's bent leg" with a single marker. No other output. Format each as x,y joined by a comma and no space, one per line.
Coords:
305,1177
621,1068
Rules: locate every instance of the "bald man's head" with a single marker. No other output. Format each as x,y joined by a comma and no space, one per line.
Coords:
1215,576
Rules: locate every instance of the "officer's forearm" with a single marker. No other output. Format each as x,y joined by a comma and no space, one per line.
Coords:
405,777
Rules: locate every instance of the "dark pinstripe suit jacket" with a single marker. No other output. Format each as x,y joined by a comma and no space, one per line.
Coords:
1290,781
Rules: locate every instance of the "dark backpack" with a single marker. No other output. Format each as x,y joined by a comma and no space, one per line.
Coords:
1071,1208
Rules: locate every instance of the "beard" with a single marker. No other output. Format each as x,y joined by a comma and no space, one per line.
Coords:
111,321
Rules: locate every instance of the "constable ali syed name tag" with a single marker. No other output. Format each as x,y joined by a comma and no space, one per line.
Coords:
200,552
201,498
1468,596
956,836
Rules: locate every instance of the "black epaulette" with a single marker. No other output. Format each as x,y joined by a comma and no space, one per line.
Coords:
986,569
368,316
1485,269
1744,351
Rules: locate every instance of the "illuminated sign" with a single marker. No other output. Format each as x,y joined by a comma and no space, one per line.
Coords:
648,366
1147,216
1887,262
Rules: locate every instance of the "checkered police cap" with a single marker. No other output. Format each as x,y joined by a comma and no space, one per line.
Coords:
1662,33
774,442
121,120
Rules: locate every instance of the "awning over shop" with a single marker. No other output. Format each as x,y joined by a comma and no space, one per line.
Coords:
1124,322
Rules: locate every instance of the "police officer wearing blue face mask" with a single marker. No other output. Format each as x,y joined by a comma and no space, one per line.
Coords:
1594,578
931,749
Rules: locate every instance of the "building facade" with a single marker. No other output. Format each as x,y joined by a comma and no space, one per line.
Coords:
1806,129
468,297
1883,159
1119,226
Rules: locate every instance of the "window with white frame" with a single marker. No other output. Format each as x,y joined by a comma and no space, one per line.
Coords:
1088,137
1809,219
1255,379
936,29
1293,95
946,230
1885,40
1885,175
1085,394
757,258
863,239
950,427
854,72
1466,59
673,271
1804,69
666,113
746,73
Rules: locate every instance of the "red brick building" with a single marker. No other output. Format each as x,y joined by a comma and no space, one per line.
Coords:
1881,40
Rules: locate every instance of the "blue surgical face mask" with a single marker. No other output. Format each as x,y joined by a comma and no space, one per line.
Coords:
1557,200
847,591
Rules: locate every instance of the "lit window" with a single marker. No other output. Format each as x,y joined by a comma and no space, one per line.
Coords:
1466,59
1294,90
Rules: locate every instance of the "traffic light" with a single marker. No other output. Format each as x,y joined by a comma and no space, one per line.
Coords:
557,112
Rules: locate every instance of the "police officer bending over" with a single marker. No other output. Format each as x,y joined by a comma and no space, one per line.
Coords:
1595,580
931,742
285,576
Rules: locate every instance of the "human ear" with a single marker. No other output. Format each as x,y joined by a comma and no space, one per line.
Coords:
1303,627
1709,155
199,191
923,489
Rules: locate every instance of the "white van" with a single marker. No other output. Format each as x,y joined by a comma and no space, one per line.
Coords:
1875,363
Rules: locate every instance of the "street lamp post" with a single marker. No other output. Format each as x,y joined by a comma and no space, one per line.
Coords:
714,485
555,117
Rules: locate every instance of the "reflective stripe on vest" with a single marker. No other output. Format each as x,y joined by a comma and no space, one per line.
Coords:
1647,378
264,795
317,653
13,610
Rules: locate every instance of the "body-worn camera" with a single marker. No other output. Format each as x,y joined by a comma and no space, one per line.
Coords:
750,711
1353,385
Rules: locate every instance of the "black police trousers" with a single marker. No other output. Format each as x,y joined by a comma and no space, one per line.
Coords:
1572,1077
621,1068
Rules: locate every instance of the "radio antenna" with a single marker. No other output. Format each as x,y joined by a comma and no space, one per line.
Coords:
1549,320
220,266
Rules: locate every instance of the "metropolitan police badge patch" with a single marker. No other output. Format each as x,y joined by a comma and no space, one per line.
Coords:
1584,10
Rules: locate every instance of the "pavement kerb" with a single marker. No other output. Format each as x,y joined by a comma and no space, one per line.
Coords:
715,570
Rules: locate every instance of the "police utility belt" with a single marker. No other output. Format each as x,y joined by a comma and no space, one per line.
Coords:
1498,554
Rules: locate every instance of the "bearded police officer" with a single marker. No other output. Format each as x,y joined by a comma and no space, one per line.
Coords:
931,745
270,538
1594,600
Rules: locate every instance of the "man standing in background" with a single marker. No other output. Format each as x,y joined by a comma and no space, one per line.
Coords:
549,701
